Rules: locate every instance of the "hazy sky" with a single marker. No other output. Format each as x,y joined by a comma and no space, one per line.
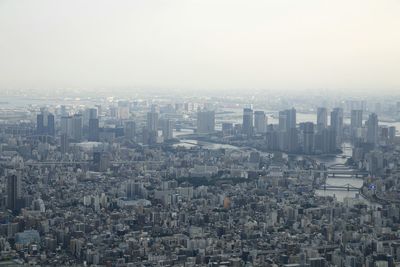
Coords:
195,44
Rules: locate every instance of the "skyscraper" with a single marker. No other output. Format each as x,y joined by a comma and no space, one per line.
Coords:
260,122
64,143
322,118
14,200
40,129
308,138
205,121
372,129
94,131
152,121
248,121
287,119
67,125
356,118
337,124
77,127
45,124
51,130
167,129
292,121
130,130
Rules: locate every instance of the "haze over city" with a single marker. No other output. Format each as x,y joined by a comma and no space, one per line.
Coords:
200,45
199,133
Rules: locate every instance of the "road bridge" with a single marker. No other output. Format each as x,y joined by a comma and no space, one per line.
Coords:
346,187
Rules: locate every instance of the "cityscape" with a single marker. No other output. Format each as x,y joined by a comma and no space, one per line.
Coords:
191,181
200,133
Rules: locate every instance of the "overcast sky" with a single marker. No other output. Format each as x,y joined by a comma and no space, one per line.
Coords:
195,44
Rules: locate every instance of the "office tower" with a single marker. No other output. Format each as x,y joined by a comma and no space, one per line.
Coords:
372,129
247,126
227,128
260,122
152,121
287,119
384,134
308,138
101,161
272,140
77,127
167,129
51,130
40,129
93,113
205,122
135,190
130,130
45,124
67,125
149,137
392,133
322,118
283,118
89,113
337,124
64,143
329,140
293,140
291,118
14,200
94,131
356,118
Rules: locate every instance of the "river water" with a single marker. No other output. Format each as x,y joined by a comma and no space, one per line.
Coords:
329,160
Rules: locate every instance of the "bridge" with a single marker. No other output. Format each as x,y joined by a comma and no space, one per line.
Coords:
339,173
346,187
342,171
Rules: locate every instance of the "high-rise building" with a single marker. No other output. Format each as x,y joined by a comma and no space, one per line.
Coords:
14,199
337,124
287,119
329,139
322,118
308,138
64,143
40,129
283,117
292,140
130,130
94,132
227,128
372,129
356,118
45,124
89,113
152,121
51,129
248,121
77,127
292,122
67,125
392,133
167,129
205,122
260,122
